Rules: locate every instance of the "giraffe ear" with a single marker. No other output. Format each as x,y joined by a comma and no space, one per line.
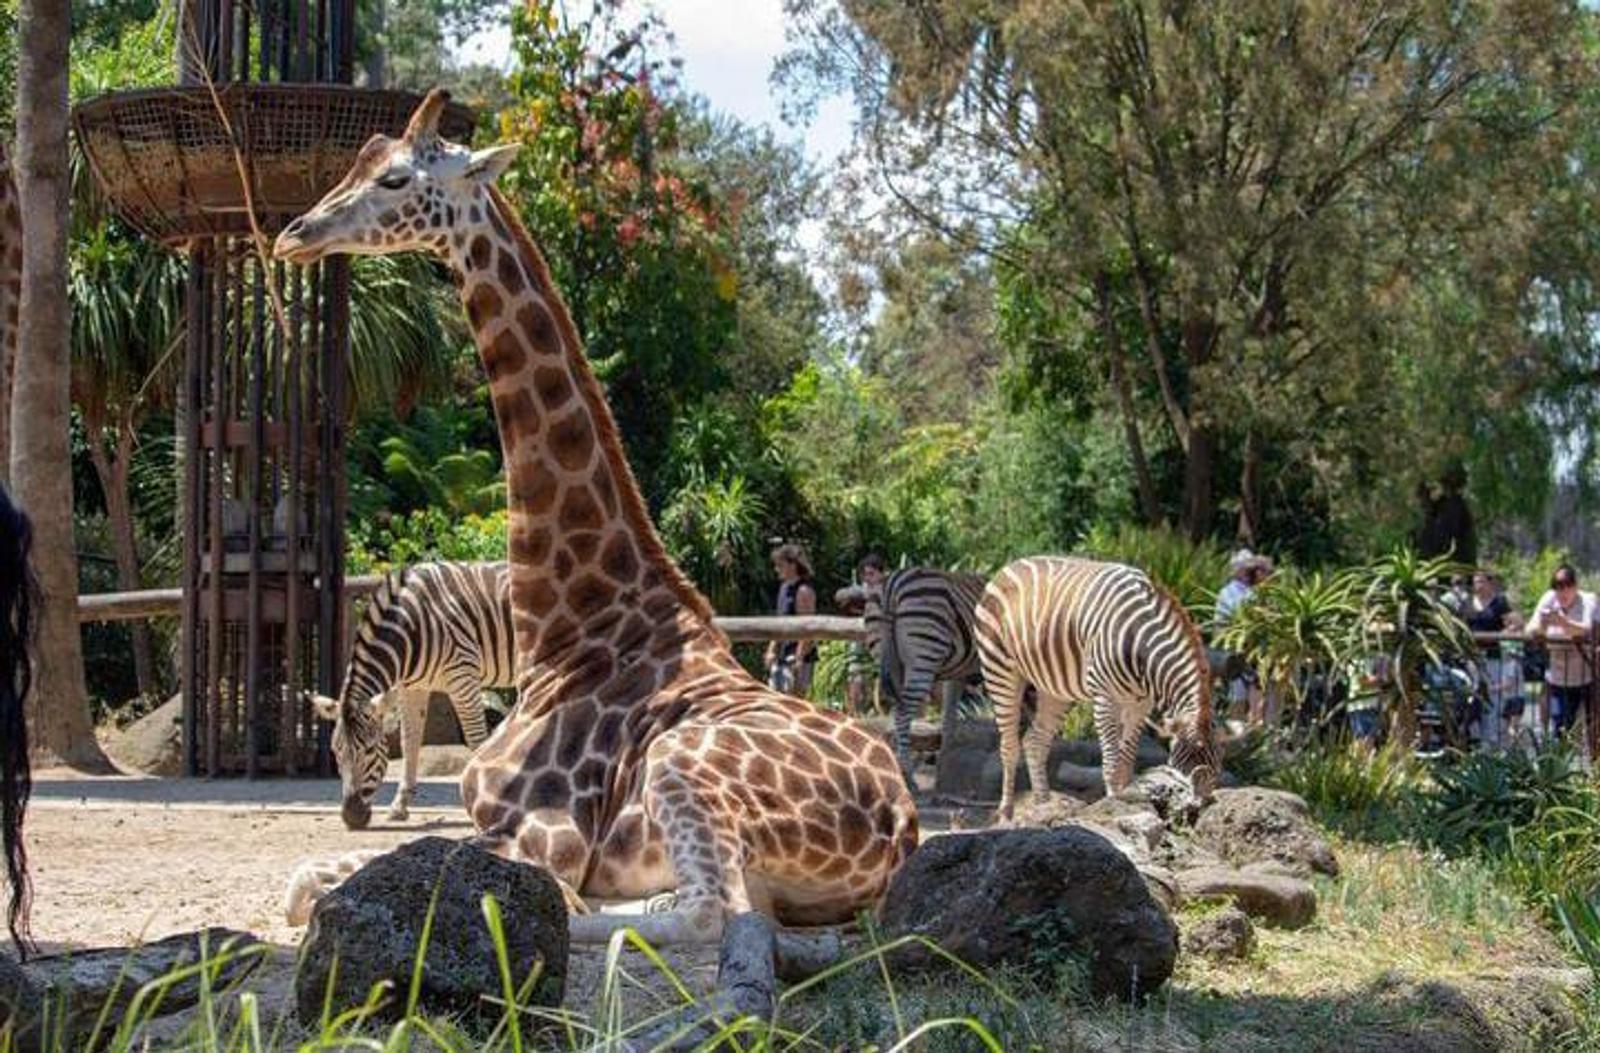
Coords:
488,165
424,124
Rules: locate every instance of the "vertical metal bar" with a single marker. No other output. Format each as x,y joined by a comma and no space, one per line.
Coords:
331,517
215,428
223,40
193,509
294,449
258,438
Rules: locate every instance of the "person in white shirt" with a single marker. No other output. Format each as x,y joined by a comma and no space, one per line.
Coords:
1248,570
1566,614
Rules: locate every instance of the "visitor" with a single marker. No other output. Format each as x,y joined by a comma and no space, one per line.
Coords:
791,662
18,595
1487,610
1565,618
1248,570
863,670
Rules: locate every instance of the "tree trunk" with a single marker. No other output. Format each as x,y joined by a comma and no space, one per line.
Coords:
377,58
10,293
1199,337
1403,714
1249,491
41,464
113,472
1197,498
1149,505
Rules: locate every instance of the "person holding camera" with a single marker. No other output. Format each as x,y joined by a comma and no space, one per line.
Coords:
1565,616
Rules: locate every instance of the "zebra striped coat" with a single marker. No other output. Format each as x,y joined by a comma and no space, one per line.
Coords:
433,627
920,631
1078,630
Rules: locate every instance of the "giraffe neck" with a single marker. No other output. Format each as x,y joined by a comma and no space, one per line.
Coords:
587,567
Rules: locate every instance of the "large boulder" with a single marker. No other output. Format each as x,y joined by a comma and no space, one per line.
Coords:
1276,899
153,744
21,1007
1265,828
1026,897
371,926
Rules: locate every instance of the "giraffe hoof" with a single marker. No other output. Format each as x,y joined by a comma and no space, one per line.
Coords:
399,814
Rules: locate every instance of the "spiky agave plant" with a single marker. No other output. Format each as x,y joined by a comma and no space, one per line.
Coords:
1405,619
1296,628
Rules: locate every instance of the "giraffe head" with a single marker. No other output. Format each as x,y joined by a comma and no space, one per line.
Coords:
401,195
358,751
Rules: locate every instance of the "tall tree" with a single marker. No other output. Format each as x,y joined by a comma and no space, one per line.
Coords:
41,466
1272,180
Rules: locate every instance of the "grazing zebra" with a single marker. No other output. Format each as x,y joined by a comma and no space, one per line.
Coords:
433,627
1078,630
920,631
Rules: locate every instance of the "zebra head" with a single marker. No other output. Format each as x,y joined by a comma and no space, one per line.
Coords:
358,750
1188,717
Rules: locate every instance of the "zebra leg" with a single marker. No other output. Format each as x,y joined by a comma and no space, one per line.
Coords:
1003,680
413,719
913,697
465,689
1041,736
1119,740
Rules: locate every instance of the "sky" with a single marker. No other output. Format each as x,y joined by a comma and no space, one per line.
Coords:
728,51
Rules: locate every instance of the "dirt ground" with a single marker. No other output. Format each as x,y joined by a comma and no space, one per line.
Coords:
117,861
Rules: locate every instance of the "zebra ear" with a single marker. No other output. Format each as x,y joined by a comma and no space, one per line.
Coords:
327,708
1204,781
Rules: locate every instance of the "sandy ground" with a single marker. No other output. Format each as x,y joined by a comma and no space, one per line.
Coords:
117,860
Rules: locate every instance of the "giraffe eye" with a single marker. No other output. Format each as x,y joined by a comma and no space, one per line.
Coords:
395,180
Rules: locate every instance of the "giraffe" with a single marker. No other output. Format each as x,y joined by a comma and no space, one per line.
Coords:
641,757
10,299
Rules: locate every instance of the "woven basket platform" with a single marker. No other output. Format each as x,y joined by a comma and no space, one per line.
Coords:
167,162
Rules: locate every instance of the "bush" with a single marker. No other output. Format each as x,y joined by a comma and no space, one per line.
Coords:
1358,791
428,534
1191,571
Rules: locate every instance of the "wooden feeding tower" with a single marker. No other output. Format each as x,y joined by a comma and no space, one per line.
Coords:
263,122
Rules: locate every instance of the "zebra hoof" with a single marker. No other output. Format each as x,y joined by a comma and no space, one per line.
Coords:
661,903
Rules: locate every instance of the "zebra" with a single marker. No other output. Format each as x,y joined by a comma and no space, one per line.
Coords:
1079,630
432,627
919,629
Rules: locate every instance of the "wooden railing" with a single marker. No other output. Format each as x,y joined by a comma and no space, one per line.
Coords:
168,603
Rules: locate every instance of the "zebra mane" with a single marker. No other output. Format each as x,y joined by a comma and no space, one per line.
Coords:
1197,647
389,591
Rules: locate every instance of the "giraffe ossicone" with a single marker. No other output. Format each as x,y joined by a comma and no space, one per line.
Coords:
641,757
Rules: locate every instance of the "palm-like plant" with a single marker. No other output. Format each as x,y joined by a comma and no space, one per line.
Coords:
1297,628
713,527
1405,619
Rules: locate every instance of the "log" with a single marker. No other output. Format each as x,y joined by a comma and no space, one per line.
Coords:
746,986
793,627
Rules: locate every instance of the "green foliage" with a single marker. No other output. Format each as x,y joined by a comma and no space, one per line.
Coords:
1362,792
637,243
1192,571
712,528
1479,799
1297,627
1404,618
427,534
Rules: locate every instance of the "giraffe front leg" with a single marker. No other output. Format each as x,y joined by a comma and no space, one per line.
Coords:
706,851
315,878
413,721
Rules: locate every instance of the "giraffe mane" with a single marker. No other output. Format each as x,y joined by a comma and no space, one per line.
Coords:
652,551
